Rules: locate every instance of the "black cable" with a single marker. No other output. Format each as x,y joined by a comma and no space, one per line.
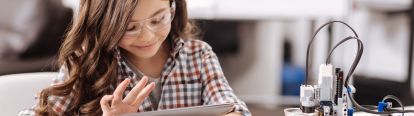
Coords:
371,107
311,41
395,99
356,60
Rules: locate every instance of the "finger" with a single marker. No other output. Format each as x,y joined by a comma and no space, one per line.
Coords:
105,102
119,91
232,109
137,89
143,94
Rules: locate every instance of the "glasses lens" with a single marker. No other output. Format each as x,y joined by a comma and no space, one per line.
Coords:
155,24
133,29
159,22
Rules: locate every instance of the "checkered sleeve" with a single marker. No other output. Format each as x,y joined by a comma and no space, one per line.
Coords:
59,104
217,90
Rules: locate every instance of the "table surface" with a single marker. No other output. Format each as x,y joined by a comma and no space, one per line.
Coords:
295,111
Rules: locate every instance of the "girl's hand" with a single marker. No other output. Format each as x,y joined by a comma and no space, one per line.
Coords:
113,105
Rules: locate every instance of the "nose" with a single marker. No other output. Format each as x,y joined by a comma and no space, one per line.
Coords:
146,35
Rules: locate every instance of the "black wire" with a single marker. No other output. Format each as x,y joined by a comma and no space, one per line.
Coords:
360,46
395,99
395,109
356,60
311,41
372,107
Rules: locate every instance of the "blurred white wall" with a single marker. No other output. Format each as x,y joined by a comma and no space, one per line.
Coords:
385,39
266,9
74,4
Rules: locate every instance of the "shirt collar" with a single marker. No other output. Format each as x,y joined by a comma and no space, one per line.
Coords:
177,45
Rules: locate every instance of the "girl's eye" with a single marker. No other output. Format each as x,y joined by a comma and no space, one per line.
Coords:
131,27
157,20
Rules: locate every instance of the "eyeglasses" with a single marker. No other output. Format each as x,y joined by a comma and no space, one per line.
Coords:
153,24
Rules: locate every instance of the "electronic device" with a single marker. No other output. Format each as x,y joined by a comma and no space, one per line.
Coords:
205,110
333,95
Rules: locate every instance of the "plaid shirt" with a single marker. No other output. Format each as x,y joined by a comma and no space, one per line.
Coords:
192,76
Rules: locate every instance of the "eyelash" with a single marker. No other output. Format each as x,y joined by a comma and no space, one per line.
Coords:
159,19
130,29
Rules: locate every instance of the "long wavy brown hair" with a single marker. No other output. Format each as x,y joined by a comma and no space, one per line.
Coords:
88,53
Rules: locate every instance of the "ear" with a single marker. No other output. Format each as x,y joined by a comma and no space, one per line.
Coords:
173,13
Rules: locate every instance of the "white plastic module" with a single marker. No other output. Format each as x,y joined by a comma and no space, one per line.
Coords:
325,82
307,96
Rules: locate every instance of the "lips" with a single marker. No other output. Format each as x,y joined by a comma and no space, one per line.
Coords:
143,46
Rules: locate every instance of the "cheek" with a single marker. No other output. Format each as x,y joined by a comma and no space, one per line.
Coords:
164,33
125,42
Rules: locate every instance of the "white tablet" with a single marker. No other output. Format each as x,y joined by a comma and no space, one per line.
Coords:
206,110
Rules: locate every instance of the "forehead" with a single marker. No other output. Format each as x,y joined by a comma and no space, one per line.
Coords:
147,8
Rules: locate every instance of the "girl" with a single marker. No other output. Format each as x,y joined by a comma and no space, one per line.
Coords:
126,56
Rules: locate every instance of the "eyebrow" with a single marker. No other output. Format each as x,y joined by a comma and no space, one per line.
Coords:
156,13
